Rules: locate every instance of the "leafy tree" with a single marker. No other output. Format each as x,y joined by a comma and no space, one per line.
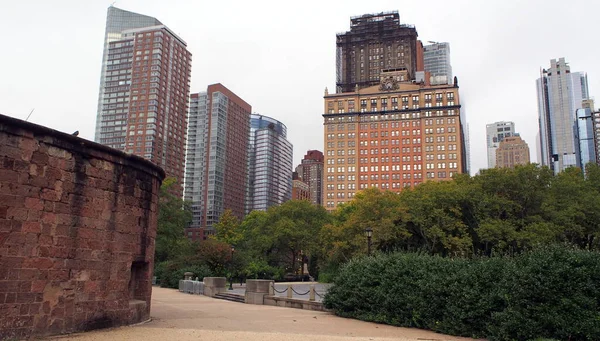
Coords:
574,204
435,218
382,211
274,239
502,207
174,215
293,227
228,228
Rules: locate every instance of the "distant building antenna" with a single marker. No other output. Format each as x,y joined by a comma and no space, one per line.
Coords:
113,4
27,119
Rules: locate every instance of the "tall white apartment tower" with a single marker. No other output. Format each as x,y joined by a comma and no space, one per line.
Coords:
560,93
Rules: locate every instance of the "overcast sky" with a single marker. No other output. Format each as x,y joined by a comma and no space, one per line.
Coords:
280,55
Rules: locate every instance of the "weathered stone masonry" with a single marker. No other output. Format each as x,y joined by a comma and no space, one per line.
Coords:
77,229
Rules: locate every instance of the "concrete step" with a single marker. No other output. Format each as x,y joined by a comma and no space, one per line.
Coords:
230,297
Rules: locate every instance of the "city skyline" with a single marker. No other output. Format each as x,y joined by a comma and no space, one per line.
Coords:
482,68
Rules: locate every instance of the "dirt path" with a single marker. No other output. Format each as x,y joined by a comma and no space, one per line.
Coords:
178,316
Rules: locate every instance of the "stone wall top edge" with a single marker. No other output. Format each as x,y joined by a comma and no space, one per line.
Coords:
21,128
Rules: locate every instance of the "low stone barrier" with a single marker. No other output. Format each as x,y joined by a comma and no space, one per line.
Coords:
210,286
214,285
261,292
256,290
293,303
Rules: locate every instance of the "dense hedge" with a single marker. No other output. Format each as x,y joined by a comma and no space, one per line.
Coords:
551,292
170,273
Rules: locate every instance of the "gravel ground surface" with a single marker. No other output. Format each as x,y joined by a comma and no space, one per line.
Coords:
178,316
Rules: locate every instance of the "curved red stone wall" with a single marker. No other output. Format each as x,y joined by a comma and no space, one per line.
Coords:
77,229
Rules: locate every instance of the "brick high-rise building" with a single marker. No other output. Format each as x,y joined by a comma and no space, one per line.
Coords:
495,134
596,118
375,42
393,135
144,91
216,175
310,170
300,189
512,151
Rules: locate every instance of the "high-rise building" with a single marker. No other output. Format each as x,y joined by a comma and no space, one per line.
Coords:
436,59
596,117
300,189
467,140
588,104
391,136
585,137
560,93
375,42
420,64
310,170
495,134
270,162
144,89
216,173
512,151
117,21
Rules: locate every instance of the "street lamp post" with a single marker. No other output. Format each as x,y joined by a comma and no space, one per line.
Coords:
369,234
231,269
301,266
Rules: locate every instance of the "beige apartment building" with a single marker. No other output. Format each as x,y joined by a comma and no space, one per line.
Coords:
394,135
511,152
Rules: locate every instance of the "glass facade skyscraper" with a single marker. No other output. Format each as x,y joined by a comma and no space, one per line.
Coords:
436,60
270,164
560,93
584,134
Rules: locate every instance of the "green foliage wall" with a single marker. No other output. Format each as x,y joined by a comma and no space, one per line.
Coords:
551,292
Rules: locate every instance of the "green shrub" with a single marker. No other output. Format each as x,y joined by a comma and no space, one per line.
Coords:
326,277
169,273
551,292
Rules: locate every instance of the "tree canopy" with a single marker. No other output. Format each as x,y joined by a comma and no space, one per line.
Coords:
499,211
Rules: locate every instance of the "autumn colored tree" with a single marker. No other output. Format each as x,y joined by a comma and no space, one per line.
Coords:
228,229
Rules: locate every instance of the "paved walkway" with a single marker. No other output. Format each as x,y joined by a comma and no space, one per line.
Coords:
178,316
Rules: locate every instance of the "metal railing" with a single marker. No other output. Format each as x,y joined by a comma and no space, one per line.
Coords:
290,291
